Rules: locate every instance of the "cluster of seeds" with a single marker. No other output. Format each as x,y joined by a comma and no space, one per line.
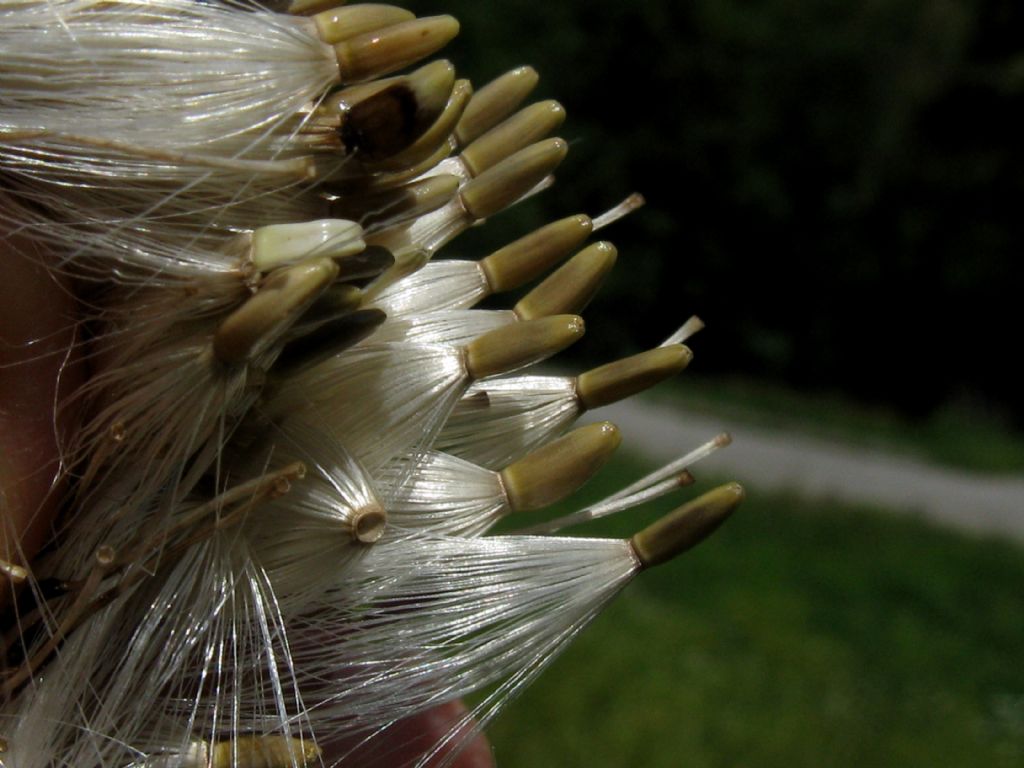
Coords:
297,428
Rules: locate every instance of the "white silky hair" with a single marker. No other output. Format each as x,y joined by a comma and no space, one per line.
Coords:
161,407
404,393
161,256
124,238
170,412
445,284
468,612
305,536
159,397
121,113
412,622
209,622
455,327
501,420
223,79
443,494
156,393
170,257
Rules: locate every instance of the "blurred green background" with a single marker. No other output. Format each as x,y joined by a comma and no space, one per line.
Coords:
835,188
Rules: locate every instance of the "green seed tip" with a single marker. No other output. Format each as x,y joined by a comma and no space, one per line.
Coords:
338,24
551,473
572,286
631,375
687,526
508,181
521,344
378,53
529,257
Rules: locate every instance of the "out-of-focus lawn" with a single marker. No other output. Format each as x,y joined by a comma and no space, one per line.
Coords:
957,436
798,635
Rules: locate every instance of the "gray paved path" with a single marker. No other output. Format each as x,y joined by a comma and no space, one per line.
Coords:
823,469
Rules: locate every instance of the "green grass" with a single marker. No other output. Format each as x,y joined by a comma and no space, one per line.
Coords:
797,636
955,437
